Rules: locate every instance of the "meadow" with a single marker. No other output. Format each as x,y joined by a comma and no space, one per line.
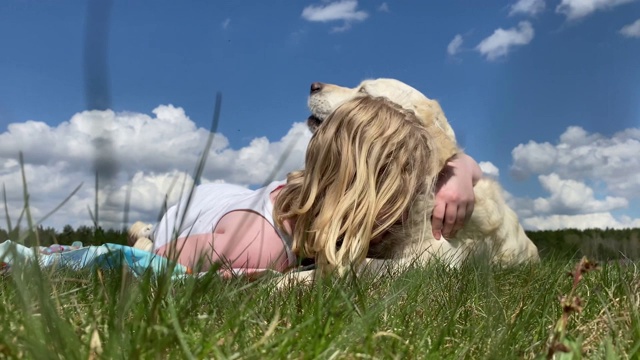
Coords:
556,309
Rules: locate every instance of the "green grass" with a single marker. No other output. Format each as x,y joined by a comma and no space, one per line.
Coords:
477,312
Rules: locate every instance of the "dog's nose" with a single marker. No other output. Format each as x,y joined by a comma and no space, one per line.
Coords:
316,86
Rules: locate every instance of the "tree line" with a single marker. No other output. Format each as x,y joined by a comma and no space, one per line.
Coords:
87,235
597,244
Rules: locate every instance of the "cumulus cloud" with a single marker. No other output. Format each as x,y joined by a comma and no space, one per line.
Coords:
527,7
612,161
577,9
488,169
572,197
454,46
586,176
570,204
631,30
582,222
151,151
343,10
502,41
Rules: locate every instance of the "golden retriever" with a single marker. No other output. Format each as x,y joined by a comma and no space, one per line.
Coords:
492,230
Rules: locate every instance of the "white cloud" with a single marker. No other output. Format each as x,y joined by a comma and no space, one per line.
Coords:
339,10
343,10
586,176
527,7
631,30
502,41
150,152
582,222
488,169
225,23
571,204
384,7
576,9
612,162
532,158
454,46
572,197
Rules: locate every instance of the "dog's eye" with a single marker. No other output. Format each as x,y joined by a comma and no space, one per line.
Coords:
362,90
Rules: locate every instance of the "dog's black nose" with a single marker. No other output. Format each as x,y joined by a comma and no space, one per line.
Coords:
316,86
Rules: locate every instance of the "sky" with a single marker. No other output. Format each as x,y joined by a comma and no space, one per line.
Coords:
545,95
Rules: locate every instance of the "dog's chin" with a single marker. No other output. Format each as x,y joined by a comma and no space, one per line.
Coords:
313,122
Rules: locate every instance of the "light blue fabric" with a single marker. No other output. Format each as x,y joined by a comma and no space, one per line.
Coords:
140,261
109,256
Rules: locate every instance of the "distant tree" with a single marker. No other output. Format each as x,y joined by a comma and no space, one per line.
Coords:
599,244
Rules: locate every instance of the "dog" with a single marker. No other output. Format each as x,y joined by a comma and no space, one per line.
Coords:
493,229
139,235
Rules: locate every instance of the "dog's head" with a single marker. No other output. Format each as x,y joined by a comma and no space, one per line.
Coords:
325,98
139,230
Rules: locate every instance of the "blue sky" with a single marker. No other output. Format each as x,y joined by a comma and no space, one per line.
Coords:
547,92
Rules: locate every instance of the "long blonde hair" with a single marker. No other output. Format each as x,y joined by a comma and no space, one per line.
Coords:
364,166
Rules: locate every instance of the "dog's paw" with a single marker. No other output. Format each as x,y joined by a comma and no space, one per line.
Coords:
294,279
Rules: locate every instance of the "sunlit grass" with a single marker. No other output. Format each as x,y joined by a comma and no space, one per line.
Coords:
477,312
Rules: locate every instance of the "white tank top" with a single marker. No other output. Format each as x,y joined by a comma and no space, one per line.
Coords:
208,204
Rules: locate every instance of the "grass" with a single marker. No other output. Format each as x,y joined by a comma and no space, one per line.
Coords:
477,312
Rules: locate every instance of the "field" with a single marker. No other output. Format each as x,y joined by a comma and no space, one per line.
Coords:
476,312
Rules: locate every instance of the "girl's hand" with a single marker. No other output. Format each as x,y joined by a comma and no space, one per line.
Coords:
454,198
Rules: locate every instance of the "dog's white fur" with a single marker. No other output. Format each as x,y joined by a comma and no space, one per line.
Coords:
139,236
493,228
